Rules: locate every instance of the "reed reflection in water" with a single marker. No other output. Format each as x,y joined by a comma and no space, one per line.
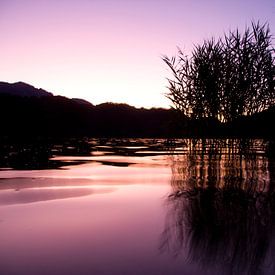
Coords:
221,210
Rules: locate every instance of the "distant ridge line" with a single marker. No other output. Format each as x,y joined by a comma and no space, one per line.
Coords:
22,89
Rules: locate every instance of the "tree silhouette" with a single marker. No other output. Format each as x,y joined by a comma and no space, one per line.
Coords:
226,78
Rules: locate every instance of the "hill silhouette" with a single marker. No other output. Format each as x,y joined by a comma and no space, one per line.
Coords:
22,89
26,111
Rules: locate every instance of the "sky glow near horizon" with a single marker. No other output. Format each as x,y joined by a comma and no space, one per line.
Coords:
110,50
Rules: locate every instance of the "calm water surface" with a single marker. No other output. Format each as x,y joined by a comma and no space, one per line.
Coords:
139,207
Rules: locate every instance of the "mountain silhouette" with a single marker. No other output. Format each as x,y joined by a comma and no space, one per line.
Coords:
28,111
22,89
82,101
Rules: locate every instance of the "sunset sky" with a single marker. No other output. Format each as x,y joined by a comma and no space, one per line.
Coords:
110,50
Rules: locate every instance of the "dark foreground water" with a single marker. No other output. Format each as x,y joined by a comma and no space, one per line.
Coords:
138,207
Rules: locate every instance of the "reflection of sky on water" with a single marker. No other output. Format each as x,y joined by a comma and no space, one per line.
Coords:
106,233
79,180
212,204
86,219
31,195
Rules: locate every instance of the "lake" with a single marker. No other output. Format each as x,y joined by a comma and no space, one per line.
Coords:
138,206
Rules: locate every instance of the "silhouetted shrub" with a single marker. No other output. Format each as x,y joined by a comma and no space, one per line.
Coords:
225,79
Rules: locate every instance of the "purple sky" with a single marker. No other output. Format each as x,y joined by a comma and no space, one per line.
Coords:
110,50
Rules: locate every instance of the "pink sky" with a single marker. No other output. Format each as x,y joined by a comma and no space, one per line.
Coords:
107,50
